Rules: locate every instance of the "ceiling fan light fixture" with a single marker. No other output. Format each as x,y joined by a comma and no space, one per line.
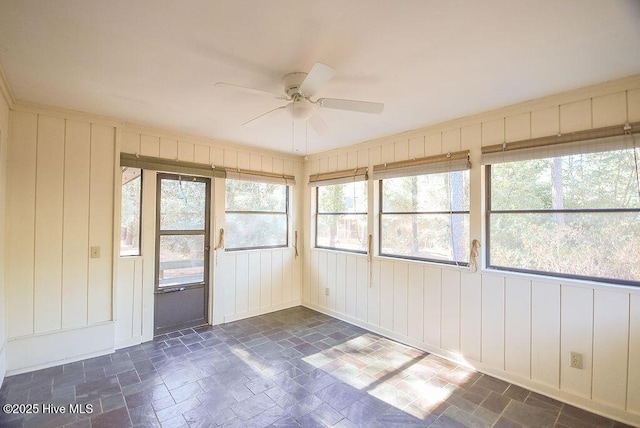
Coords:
301,111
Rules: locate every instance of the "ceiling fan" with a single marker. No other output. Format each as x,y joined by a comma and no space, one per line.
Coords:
298,90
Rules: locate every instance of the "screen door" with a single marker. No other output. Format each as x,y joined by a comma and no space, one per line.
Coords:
182,252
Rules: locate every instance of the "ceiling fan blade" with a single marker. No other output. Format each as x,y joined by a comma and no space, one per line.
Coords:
249,90
351,105
318,76
256,119
318,124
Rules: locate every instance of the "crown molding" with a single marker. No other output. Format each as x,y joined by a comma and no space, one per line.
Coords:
5,89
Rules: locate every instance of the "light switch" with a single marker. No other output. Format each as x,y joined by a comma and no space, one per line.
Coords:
95,252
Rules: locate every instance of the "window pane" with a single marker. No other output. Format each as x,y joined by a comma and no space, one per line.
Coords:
244,230
602,245
343,198
427,193
346,232
593,180
426,236
183,205
249,196
130,212
181,259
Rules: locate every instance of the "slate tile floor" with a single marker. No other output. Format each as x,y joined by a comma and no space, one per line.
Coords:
291,368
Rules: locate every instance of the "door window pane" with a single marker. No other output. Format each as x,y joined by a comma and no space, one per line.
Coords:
181,260
182,205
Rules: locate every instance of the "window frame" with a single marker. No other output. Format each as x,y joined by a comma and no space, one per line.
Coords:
414,258
365,214
287,214
489,211
139,253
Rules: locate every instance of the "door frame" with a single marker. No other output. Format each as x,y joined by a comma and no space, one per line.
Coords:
207,278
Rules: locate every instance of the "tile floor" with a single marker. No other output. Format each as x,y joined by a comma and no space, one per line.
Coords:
291,368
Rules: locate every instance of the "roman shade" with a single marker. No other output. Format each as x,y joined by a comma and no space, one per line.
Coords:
456,161
260,177
338,177
169,165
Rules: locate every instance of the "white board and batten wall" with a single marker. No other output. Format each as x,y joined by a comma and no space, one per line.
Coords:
244,283
520,328
6,101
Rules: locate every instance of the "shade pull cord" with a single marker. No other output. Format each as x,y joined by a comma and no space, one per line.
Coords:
295,243
473,255
627,129
370,259
220,244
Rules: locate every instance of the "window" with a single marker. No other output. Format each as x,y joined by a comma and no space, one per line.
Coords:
426,217
130,211
574,214
341,216
256,215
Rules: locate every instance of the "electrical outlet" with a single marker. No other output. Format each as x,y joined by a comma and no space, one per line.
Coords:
326,291
576,360
95,252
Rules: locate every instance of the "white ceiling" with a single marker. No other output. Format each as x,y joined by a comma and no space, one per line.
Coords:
155,62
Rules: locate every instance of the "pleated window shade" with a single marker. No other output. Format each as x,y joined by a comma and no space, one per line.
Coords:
591,141
173,166
338,177
260,177
456,161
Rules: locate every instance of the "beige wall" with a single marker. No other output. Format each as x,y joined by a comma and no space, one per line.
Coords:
517,327
4,141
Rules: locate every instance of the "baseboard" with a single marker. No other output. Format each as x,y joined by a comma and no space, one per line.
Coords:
44,350
131,341
580,402
261,311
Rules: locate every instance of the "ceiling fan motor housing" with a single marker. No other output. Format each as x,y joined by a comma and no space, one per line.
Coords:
292,82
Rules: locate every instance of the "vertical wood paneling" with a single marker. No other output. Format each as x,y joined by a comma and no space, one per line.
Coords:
125,291
351,302
471,315
545,333
322,278
149,146
493,132
388,153
278,166
313,278
433,144
288,273
517,127
130,142
137,325
386,295
416,147
341,161
363,158
471,137
352,160
451,140
267,164
48,227
225,278
101,222
255,162
493,321
21,194
401,150
610,110
242,283
168,148
577,336
373,297
254,281
201,154
331,281
517,335
296,286
400,296
323,165
575,116
185,151
362,281
332,163
75,255
244,160
633,105
341,291
375,155
265,279
633,384
276,278
450,329
610,347
432,305
545,122
415,296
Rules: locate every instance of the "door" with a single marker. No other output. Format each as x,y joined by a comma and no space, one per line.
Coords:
182,252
